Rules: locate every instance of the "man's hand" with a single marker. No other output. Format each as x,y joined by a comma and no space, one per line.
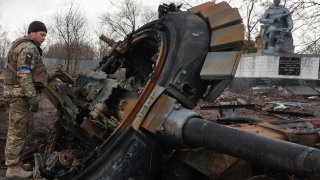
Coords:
34,104
7,102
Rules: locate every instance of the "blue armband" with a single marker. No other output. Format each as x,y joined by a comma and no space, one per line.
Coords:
25,69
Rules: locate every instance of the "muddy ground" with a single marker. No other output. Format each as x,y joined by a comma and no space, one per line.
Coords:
263,101
45,118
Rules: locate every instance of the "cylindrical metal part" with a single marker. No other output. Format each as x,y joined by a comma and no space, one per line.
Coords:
295,158
97,110
173,126
109,41
112,43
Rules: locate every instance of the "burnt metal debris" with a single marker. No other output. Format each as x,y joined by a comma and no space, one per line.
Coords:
294,113
132,118
210,107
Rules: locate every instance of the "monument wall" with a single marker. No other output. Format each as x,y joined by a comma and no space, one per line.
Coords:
286,66
276,70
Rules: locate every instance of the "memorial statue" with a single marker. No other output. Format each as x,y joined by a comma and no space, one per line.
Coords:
277,26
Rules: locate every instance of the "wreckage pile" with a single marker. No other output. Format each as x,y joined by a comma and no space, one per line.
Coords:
92,107
295,117
276,104
231,108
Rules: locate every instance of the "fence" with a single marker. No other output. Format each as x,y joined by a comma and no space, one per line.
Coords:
84,66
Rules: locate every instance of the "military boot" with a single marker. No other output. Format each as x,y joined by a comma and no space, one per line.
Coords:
27,167
16,171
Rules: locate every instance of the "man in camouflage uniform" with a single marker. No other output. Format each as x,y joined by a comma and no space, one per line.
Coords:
25,74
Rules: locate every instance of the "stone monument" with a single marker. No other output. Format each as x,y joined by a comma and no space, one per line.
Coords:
276,64
276,29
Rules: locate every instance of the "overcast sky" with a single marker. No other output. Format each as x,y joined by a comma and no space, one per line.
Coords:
15,14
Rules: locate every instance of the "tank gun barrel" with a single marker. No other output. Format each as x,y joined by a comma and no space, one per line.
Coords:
295,158
184,128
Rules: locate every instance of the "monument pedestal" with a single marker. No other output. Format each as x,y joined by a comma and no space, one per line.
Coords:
276,70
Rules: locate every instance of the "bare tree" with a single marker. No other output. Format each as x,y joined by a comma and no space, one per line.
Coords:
4,46
313,47
124,20
127,17
3,33
306,17
22,30
85,52
69,29
4,43
147,15
251,12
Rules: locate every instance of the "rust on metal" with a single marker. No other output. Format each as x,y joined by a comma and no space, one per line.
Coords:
261,130
150,84
207,12
307,140
157,91
92,129
158,113
49,148
315,122
289,128
200,7
227,38
226,18
66,157
112,43
208,162
220,65
126,107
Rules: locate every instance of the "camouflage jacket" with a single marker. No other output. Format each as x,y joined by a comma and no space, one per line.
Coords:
23,60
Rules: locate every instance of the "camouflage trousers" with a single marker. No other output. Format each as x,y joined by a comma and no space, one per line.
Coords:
19,130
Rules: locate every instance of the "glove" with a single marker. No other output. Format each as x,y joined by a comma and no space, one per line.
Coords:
39,91
38,85
34,104
7,102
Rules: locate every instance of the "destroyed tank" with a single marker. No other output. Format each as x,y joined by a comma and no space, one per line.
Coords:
132,118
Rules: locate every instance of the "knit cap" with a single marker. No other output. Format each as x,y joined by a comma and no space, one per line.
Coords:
36,26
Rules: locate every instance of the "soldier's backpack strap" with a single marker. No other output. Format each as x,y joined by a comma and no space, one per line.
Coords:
10,65
18,42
